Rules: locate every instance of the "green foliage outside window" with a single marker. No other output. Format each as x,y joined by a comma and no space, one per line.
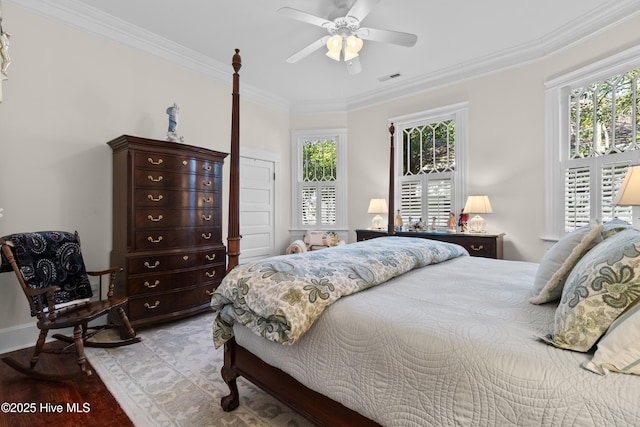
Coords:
319,160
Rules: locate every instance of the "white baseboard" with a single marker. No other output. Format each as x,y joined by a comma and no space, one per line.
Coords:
18,337
23,336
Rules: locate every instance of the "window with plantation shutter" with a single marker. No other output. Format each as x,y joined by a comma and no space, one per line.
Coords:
577,197
431,164
596,126
319,179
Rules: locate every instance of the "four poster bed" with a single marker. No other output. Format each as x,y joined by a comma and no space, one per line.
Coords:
426,335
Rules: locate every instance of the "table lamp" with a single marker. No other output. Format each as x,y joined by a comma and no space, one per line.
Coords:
477,205
377,207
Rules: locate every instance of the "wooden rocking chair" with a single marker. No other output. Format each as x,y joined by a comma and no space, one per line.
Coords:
52,274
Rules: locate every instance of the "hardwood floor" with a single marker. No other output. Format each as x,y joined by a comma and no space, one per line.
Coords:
85,401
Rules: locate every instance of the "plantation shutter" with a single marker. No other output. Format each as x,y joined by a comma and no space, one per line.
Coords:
439,200
577,197
328,210
411,201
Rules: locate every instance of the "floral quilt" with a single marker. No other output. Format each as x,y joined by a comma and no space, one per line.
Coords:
280,297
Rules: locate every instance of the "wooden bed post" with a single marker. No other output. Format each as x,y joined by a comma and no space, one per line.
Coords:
229,374
391,222
233,232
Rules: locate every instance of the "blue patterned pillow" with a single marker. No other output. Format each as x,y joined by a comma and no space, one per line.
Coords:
600,287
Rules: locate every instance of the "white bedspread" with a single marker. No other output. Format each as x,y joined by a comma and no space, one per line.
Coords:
451,344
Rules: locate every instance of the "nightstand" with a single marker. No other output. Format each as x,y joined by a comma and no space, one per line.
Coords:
478,244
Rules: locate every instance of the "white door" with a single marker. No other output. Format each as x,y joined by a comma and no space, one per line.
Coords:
257,206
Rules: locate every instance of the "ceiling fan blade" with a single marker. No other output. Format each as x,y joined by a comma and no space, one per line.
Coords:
308,50
353,65
304,17
388,36
361,8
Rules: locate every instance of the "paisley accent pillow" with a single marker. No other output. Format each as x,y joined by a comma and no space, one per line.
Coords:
559,260
619,348
600,287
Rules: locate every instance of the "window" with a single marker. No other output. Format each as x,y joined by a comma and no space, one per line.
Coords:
319,181
594,123
430,164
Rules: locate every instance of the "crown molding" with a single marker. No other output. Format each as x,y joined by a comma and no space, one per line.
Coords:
82,17
88,19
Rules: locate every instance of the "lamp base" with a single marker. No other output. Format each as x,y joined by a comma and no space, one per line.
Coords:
477,224
377,222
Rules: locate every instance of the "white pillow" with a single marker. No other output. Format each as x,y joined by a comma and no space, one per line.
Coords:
558,262
619,348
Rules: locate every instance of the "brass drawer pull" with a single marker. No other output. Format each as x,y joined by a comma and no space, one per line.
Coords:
151,218
211,257
155,199
152,240
186,257
210,274
150,160
207,183
149,285
479,248
151,307
206,217
185,163
152,179
155,264
210,293
206,236
206,167
207,199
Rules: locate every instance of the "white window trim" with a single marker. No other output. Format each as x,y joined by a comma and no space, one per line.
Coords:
340,136
556,126
459,112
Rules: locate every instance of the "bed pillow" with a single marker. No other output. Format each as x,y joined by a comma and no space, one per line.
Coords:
619,348
614,226
600,287
558,261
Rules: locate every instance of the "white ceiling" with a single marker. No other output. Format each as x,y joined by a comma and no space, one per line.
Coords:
456,39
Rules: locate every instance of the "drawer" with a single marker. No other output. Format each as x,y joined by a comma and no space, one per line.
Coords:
163,179
158,218
162,198
159,303
168,238
159,262
159,282
482,247
167,162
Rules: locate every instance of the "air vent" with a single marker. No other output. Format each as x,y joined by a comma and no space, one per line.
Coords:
389,77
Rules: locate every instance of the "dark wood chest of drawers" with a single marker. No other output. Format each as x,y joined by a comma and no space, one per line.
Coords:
478,244
167,227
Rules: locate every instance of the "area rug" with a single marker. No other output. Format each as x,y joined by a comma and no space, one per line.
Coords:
172,378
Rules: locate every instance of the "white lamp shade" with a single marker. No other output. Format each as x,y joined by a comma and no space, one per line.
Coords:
477,205
378,206
629,192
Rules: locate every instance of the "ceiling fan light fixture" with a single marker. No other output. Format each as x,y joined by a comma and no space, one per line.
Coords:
352,47
334,44
354,44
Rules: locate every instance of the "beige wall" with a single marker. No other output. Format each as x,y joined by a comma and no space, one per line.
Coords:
69,93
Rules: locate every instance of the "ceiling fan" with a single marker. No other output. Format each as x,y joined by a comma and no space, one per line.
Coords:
345,38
